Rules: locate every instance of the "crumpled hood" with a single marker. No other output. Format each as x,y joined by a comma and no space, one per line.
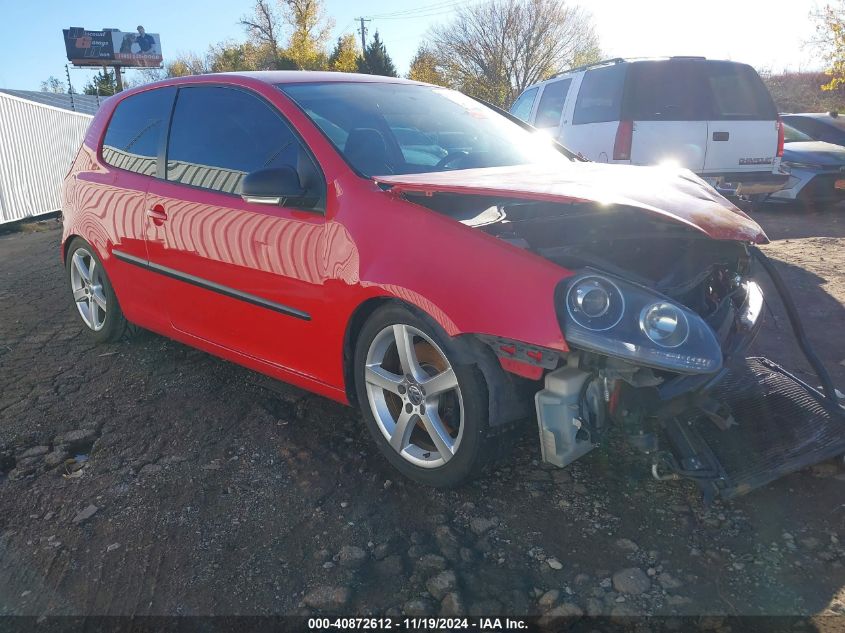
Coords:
674,194
814,153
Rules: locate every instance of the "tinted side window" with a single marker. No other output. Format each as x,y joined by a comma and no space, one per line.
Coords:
219,135
808,126
551,103
799,123
600,95
830,130
521,108
134,132
665,91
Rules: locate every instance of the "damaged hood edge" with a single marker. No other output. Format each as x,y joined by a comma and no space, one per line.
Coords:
677,195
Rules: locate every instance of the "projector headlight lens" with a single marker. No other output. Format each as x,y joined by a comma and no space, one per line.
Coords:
595,303
664,324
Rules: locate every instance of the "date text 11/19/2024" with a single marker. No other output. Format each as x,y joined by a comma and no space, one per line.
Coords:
422,623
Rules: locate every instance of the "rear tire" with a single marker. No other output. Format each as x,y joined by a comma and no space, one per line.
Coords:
93,295
434,432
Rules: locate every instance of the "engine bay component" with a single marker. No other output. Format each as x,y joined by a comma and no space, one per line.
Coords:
564,431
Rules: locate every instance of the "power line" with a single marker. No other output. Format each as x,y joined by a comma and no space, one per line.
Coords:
414,11
422,15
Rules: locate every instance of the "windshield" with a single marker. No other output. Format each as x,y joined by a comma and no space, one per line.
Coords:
791,135
387,128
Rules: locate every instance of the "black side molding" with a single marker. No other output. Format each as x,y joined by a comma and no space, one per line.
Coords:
210,285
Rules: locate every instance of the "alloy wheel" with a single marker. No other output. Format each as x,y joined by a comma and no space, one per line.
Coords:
86,282
414,395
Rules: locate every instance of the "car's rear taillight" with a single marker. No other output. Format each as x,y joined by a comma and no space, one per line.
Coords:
624,137
780,138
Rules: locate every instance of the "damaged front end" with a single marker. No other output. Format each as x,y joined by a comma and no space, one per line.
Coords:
659,315
659,320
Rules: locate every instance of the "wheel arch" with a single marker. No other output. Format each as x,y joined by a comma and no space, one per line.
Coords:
507,394
66,244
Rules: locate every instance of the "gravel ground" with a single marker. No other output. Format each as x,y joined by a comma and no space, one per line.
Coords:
145,477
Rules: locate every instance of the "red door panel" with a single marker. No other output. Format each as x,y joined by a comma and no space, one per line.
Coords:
245,276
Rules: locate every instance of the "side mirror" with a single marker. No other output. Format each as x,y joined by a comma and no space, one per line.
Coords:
276,186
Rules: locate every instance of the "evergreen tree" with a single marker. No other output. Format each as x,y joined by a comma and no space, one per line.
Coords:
376,61
344,57
103,84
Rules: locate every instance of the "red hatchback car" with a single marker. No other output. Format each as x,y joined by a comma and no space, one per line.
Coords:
413,251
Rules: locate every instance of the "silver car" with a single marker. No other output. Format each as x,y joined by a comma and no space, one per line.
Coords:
816,171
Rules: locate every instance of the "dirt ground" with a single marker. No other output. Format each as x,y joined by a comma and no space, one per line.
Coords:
198,487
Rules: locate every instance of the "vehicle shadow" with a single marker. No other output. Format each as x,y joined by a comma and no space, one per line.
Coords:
815,305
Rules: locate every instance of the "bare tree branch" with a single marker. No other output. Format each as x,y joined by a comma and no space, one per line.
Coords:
496,49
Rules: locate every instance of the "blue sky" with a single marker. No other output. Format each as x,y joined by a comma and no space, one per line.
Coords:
764,33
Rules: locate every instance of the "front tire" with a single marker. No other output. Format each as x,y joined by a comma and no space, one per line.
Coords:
93,295
427,413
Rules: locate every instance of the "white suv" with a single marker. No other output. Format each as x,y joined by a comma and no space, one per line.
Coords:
715,118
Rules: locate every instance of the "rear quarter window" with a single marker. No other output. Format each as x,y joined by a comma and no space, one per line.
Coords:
135,131
600,95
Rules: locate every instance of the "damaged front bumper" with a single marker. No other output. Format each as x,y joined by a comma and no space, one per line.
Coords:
778,425
731,430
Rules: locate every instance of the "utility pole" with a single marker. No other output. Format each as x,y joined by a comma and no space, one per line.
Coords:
363,33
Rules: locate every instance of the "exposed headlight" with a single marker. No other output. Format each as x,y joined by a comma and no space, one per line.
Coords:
665,324
595,303
619,318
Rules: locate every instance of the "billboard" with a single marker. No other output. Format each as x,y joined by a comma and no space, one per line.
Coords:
112,47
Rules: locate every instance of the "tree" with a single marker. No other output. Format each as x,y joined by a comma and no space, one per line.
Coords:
227,57
305,47
311,30
182,65
425,67
53,84
496,49
802,92
375,60
186,64
344,57
830,40
264,30
103,84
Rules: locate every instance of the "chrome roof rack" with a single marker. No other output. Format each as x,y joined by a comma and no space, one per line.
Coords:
604,62
619,60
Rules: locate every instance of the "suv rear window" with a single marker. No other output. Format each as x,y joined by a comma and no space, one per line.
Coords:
134,132
600,95
738,92
695,90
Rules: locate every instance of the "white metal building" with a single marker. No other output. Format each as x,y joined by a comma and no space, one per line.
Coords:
37,144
